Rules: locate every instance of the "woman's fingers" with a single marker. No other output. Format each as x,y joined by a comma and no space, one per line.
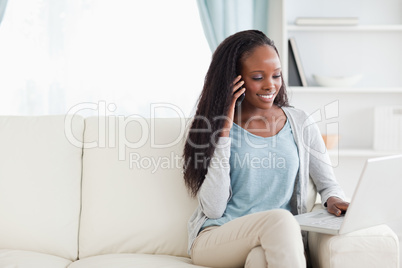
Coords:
337,206
237,90
237,79
334,210
237,85
342,205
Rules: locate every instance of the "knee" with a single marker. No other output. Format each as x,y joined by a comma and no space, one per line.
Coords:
281,214
283,219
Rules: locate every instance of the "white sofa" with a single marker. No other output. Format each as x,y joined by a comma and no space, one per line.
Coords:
108,192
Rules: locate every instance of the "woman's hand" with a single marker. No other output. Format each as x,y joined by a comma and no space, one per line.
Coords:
235,95
337,206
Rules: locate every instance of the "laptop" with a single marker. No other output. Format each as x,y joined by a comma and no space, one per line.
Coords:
374,201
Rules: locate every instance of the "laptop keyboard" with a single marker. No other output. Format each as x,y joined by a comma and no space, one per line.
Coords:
330,223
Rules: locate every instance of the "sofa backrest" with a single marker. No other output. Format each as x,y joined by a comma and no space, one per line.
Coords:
133,195
40,184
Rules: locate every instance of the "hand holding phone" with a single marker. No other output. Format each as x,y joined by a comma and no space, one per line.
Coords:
236,83
237,98
241,98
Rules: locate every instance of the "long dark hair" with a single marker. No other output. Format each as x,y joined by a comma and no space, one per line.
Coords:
214,102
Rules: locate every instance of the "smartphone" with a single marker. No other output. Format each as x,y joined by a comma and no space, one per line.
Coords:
241,98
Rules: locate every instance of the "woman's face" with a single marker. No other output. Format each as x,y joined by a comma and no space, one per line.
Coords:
261,72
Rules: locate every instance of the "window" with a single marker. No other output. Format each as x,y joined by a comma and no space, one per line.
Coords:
58,55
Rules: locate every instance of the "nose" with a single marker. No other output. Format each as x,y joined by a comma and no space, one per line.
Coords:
269,85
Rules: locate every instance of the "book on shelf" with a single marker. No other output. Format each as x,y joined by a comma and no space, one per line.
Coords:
296,73
327,21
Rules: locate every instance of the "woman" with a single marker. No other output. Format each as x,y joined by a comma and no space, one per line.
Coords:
248,162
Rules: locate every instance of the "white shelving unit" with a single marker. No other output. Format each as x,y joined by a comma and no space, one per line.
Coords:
360,153
372,48
343,90
358,28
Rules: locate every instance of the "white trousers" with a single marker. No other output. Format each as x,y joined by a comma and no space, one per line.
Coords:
264,239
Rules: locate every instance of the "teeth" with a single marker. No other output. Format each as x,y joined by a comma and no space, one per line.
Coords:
266,96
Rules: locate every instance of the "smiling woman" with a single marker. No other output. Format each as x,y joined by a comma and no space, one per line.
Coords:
57,54
247,206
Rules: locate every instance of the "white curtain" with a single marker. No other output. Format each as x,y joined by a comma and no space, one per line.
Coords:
221,18
3,4
129,56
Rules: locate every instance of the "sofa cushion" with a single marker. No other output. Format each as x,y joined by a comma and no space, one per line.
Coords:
134,260
40,183
396,226
133,194
377,246
30,259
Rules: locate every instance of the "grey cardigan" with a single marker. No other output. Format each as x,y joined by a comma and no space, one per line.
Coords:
314,162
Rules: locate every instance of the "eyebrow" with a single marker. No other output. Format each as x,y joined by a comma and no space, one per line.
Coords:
260,71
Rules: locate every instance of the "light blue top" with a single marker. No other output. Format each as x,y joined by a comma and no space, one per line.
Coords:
262,173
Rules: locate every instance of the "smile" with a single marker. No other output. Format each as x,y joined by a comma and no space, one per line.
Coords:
267,96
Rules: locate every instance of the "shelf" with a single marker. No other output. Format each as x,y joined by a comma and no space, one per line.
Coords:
367,90
358,28
361,153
